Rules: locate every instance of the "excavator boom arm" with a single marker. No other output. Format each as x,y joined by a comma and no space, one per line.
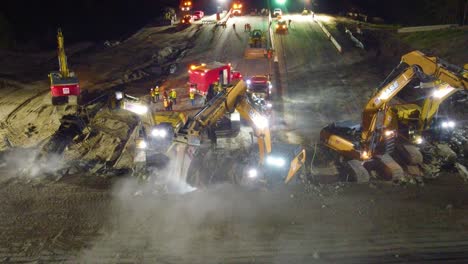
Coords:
415,63
62,58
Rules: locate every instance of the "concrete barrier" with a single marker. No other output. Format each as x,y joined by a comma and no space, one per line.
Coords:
329,36
425,28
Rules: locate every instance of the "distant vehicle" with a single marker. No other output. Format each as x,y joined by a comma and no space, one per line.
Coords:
186,5
186,20
197,15
237,8
281,26
277,12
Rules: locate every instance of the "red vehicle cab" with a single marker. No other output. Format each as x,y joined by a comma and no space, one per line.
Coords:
197,15
63,87
202,76
260,85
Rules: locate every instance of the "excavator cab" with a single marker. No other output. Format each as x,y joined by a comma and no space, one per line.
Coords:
63,83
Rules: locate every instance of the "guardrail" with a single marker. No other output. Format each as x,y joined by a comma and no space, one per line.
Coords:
425,28
272,42
329,35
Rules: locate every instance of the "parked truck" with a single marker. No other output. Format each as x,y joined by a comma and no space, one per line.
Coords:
205,78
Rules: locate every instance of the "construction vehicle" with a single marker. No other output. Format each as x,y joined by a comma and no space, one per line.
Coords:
185,5
275,161
63,83
257,39
367,146
257,45
259,90
203,78
237,8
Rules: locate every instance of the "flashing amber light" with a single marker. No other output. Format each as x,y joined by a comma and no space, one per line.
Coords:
193,67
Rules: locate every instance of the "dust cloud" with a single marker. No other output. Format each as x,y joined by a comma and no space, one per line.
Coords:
222,223
31,163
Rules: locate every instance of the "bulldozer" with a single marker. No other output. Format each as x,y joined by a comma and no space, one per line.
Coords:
64,84
368,146
257,39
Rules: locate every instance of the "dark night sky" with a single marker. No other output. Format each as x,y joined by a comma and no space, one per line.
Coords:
107,19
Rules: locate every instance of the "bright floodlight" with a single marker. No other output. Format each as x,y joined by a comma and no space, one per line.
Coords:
260,121
142,144
157,132
118,95
253,173
448,124
439,93
418,140
281,2
275,161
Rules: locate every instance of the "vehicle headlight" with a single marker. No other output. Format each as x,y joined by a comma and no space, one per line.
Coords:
260,121
248,82
269,105
118,95
158,132
136,108
418,140
252,173
235,116
448,124
389,133
275,161
142,144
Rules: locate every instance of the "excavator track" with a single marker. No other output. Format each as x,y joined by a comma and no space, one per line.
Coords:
388,168
410,154
357,172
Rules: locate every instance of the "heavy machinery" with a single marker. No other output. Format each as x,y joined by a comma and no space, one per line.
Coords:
257,45
257,39
63,83
366,146
275,162
237,8
202,77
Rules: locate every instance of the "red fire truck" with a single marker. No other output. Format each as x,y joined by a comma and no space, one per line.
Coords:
202,76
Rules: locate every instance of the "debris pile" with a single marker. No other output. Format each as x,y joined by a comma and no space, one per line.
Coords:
106,141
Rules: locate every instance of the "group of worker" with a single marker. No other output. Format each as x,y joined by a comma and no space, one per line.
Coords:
168,100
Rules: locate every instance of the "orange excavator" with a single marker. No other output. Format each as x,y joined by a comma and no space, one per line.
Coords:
63,83
366,146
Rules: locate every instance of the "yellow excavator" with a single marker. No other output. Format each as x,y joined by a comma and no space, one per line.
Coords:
63,83
275,161
366,146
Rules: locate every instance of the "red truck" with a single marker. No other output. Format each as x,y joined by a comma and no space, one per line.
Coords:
202,76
